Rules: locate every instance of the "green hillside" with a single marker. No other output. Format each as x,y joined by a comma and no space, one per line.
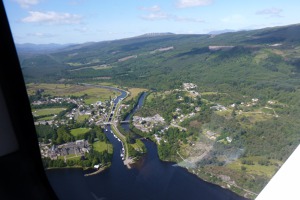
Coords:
251,142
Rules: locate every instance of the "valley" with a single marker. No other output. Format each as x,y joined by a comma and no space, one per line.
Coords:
225,107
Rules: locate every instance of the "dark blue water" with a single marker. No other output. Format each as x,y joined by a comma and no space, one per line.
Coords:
141,99
149,179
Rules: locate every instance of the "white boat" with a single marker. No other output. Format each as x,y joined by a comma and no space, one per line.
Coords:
122,155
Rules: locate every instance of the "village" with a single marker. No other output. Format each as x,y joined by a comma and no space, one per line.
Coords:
99,112
96,113
77,149
93,113
247,108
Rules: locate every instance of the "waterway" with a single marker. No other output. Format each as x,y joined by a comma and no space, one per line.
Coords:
149,179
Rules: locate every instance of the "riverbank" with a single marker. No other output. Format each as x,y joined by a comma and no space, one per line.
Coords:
101,169
69,167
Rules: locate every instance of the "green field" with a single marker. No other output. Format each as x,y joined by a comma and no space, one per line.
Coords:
73,157
81,118
45,118
94,94
139,146
79,131
70,157
102,146
256,168
96,67
135,91
47,111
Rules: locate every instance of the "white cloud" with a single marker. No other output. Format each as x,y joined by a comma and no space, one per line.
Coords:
187,19
234,19
272,12
52,18
76,2
41,35
155,13
165,16
156,16
27,3
193,3
82,29
154,8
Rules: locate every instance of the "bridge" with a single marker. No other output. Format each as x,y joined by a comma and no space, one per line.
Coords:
124,122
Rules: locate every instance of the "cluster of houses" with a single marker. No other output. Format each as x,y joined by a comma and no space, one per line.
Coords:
95,113
146,124
57,100
218,107
189,86
77,148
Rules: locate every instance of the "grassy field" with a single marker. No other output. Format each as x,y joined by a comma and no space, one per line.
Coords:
70,157
102,146
47,111
79,131
135,91
255,116
46,118
81,118
106,84
94,94
96,67
268,171
138,145
73,157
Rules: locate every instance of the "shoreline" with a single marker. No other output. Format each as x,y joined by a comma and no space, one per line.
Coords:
101,169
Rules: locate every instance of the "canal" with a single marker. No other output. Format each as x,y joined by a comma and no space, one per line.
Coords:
149,179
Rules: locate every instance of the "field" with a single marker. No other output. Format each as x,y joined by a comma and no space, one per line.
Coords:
81,118
136,146
102,146
256,168
135,91
96,67
79,131
46,118
47,111
94,94
70,157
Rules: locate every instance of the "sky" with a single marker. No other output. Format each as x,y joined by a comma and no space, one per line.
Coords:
79,21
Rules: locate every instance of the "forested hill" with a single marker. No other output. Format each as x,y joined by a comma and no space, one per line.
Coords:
263,56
